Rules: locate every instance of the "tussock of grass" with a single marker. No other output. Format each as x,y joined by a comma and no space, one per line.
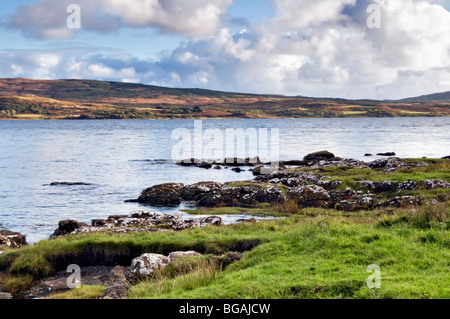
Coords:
424,217
184,274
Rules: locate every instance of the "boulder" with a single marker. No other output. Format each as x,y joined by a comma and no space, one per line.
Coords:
318,156
435,183
12,239
378,187
407,186
402,201
164,195
310,196
380,163
145,264
68,226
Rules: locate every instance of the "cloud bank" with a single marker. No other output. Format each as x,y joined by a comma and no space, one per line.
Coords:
311,48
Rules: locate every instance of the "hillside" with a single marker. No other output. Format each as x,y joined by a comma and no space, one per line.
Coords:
437,97
89,99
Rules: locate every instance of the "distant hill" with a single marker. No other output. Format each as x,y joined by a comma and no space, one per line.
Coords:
90,99
437,97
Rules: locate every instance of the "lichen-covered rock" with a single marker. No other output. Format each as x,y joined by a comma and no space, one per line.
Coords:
378,187
196,191
435,183
310,195
407,186
12,239
402,201
164,195
146,264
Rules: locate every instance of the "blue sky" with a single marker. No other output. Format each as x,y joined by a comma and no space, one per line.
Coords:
311,48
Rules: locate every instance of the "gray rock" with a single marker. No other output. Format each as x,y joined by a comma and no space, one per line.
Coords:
402,201
146,264
12,239
378,187
435,183
408,185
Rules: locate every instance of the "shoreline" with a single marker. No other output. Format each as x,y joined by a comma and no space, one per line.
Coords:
327,189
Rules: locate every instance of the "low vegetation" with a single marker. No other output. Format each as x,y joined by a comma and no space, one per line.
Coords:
312,253
86,99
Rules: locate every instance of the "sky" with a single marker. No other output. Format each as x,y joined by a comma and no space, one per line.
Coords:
372,49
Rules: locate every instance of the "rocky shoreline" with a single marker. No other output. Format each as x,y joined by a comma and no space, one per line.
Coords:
307,189
301,182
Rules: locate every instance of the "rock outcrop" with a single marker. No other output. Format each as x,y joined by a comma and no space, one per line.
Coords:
139,222
68,226
165,195
319,156
12,239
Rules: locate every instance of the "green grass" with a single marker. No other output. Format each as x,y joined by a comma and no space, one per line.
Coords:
265,210
315,253
323,257
84,292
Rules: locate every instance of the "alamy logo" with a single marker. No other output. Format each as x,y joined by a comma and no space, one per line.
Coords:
74,19
374,19
374,280
74,280
230,144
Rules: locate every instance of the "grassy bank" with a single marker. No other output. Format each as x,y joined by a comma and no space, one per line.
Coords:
315,253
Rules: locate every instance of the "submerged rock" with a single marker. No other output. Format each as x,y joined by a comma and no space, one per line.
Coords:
386,154
70,184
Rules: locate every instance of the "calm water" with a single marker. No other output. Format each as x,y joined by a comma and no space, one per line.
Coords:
120,158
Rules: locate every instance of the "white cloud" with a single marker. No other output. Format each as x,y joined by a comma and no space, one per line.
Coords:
47,19
310,48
